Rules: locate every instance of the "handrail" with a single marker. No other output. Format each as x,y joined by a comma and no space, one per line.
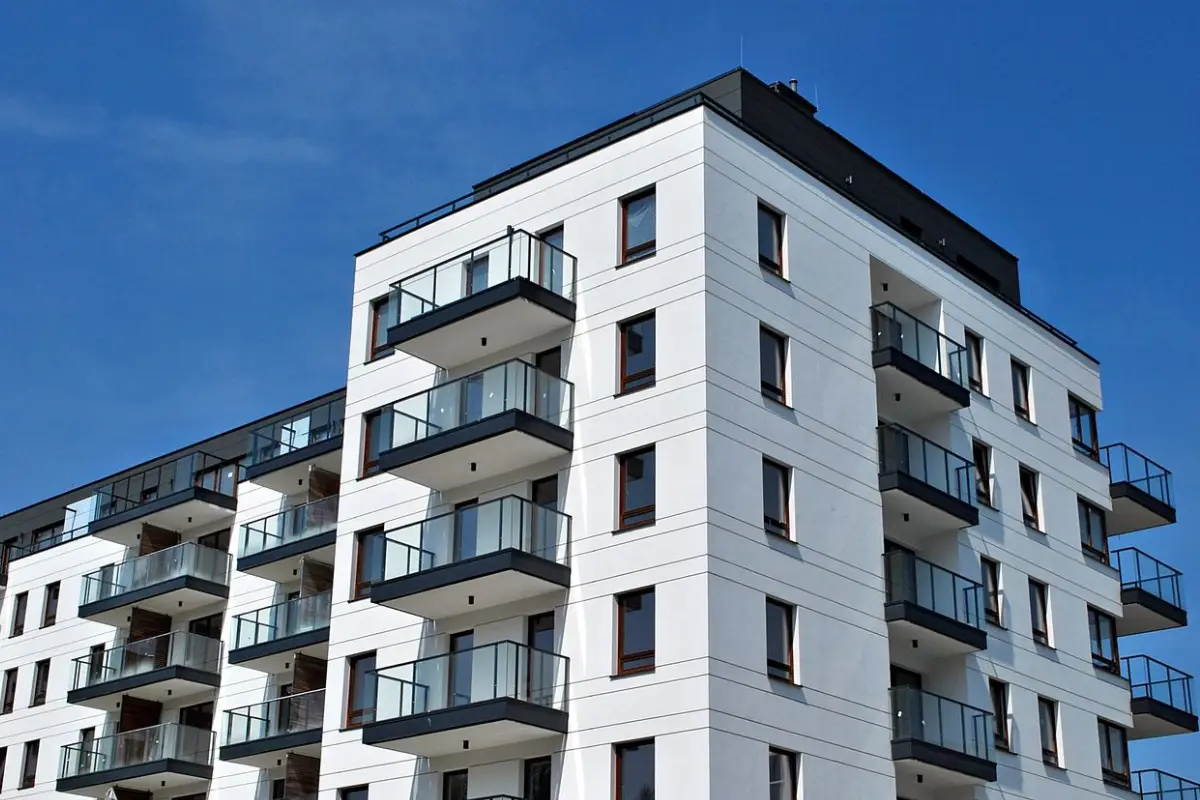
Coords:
132,748
893,327
1141,571
279,716
194,469
1154,784
290,525
906,451
186,559
280,620
1149,677
174,649
309,427
913,579
923,716
1151,477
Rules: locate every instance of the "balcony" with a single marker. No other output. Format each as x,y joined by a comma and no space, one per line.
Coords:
918,371
1161,698
157,759
478,556
185,494
513,289
173,666
926,488
268,638
488,696
1151,593
1141,491
175,581
1154,784
261,734
282,452
480,426
938,742
932,613
273,546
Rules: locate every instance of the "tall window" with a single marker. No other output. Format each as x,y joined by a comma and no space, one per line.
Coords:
635,770
1114,754
368,558
1048,724
3,761
29,765
999,692
538,774
638,226
50,606
637,353
380,319
780,620
974,361
1103,628
1039,618
360,694
770,239
990,577
982,455
781,777
772,356
454,785
20,602
41,680
1093,536
10,691
1020,384
1029,497
1083,427
354,793
635,632
775,498
551,270
377,437
636,491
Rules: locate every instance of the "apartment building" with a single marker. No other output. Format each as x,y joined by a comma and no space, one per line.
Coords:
563,534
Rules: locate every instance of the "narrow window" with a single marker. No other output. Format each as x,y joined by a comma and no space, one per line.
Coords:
911,228
634,770
999,692
354,793
770,239
1093,536
1114,754
1083,427
380,319
635,632
1038,613
368,557
50,606
974,361
1103,628
772,355
477,269
3,761
18,618
982,455
775,498
538,775
1020,383
1029,497
277,788
782,775
41,680
377,437
990,572
29,766
638,226
779,640
636,500
637,353
551,261
1048,723
454,785
10,691
360,693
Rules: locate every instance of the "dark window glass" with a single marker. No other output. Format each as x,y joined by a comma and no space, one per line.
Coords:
1114,754
999,691
3,761
772,355
361,690
551,269
637,353
29,766
209,626
770,239
775,498
41,680
537,779
779,640
377,437
1093,535
50,606
477,274
781,777
974,361
368,560
10,691
1083,427
635,770
461,667
635,632
20,602
1020,381
990,577
354,793
1029,497
216,541
454,785
1037,611
638,226
1048,724
277,789
1103,629
636,501
381,317
982,455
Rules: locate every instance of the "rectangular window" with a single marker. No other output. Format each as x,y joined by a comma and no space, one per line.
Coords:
637,353
3,761
1020,384
775,498
999,692
1114,754
770,239
380,319
18,618
635,632
1093,535
368,557
1083,427
1103,628
636,490
638,226
1029,497
50,605
538,775
29,765
772,357
990,577
454,785
354,793
780,620
1048,723
551,272
10,691
360,692
781,777
377,437
41,680
974,361
982,455
1038,615
634,770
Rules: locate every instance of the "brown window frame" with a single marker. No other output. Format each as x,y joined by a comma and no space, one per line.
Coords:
983,472
623,513
360,588
1039,627
774,262
8,700
777,393
20,608
974,360
1088,511
3,764
778,666
618,765
1021,404
356,717
1097,620
998,691
640,655
1112,776
41,683
1029,481
51,597
643,379
793,772
778,527
646,249
370,420
378,309
989,570
29,765
1077,412
1050,755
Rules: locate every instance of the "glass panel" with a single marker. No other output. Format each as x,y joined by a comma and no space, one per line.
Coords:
279,717
914,580
187,559
902,450
899,330
926,717
1126,465
133,748
1154,679
194,469
146,655
1140,571
281,620
298,431
290,525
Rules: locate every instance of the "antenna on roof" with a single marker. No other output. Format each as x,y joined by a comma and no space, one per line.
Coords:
741,50
816,95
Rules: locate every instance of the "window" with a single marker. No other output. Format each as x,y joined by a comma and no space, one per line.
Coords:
1093,536
1048,722
779,640
278,786
551,267
638,226
41,680
381,317
354,793
775,498
636,500
538,774
454,785
1020,382
368,555
10,691
974,361
18,618
219,540
770,239
361,689
50,605
377,437
772,355
999,692
982,455
1037,611
637,353
635,632
1083,427
1029,497
209,626
990,572
29,766
1103,628
781,777
1114,754
3,760
635,770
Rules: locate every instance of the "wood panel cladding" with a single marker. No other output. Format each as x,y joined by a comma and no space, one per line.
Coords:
154,539
322,483
143,624
138,713
308,673
301,777
316,577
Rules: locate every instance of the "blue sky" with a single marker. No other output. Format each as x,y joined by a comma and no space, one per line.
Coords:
182,189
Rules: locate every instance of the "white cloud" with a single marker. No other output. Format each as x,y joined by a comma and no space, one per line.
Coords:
178,141
47,120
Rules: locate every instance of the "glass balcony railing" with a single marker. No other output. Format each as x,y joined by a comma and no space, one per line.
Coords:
899,330
914,580
1126,465
279,717
1140,571
297,432
183,560
134,748
902,450
516,254
1154,784
289,525
1151,678
924,717
487,672
178,649
512,386
195,469
281,620
506,523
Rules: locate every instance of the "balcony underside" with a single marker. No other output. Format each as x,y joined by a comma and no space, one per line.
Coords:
282,564
162,685
288,473
1153,718
1145,612
933,768
918,637
1135,510
494,723
913,510
503,316
485,581
194,507
160,777
478,451
275,657
176,597
272,751
923,391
